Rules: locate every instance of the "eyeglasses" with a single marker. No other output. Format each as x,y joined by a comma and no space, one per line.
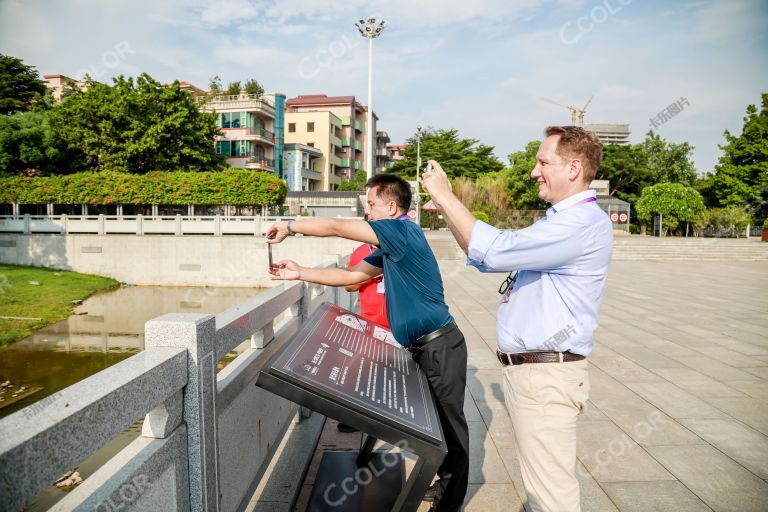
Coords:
509,281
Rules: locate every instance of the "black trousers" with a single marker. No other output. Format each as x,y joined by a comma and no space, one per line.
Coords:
444,362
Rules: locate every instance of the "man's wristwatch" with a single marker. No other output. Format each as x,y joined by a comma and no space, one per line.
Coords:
288,227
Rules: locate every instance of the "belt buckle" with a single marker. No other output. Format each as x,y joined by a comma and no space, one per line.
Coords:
510,359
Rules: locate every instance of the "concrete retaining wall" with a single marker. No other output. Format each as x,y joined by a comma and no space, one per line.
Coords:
168,260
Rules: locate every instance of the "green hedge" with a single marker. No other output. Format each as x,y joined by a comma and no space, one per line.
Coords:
232,186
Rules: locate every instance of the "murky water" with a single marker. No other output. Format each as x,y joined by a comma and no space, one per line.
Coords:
106,329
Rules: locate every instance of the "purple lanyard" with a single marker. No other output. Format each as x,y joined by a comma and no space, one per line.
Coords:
405,217
587,200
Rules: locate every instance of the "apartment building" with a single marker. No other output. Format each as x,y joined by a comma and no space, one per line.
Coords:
303,167
610,133
252,128
323,131
381,158
352,135
59,83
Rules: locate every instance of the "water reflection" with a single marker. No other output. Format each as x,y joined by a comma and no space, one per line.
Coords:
104,330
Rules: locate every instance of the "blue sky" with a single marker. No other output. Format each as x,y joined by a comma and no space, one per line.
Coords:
479,66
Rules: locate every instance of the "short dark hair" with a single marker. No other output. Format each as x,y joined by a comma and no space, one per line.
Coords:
393,188
576,142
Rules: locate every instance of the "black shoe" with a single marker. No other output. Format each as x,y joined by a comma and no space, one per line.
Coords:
343,427
430,494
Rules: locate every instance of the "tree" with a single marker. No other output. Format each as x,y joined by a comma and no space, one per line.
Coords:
356,183
20,85
458,157
626,167
674,201
523,190
252,86
28,141
234,88
741,175
669,162
214,83
137,126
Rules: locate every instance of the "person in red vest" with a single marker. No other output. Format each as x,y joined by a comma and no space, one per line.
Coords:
373,304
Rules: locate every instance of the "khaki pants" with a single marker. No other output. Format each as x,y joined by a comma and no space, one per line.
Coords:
544,400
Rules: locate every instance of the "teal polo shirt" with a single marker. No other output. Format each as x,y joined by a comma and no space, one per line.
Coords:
414,289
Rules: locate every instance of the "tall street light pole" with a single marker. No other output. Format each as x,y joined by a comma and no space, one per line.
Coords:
370,30
418,169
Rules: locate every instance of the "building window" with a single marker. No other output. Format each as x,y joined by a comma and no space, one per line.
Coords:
223,147
291,127
310,127
225,120
240,148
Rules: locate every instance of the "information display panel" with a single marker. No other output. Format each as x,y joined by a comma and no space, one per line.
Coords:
354,362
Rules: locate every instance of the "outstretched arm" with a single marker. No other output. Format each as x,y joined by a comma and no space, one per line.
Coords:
291,271
459,219
350,229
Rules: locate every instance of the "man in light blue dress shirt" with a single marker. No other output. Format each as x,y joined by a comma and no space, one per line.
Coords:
547,318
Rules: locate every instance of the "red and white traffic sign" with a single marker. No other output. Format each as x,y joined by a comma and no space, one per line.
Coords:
623,217
614,217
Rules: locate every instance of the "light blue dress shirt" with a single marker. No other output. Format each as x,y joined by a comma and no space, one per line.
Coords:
563,262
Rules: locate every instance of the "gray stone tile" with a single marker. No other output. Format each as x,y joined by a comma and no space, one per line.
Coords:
485,464
647,358
740,442
697,383
654,497
761,372
715,478
492,498
593,497
731,358
751,411
624,370
756,388
714,368
674,401
610,455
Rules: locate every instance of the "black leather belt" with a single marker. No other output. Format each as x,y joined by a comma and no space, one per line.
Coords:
507,358
422,340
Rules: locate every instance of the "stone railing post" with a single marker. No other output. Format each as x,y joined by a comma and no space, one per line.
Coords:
27,224
196,333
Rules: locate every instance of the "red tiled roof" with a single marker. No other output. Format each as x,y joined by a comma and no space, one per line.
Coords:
319,99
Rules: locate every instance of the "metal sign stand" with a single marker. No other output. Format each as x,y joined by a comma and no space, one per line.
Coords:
341,366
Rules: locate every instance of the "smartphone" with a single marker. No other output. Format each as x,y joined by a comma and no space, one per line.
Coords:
269,252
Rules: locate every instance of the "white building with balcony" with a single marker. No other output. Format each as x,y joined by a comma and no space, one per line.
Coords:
301,167
252,127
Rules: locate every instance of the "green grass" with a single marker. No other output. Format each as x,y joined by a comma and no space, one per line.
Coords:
51,300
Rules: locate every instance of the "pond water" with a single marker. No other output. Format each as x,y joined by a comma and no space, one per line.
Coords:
106,329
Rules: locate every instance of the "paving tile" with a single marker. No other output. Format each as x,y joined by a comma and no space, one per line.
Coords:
624,369
731,358
761,372
492,498
756,388
593,497
674,401
485,464
654,497
697,383
740,442
610,455
751,411
715,478
714,368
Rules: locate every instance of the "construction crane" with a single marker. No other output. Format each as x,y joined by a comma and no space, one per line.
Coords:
576,112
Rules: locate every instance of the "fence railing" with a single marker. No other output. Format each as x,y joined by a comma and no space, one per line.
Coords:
138,224
206,438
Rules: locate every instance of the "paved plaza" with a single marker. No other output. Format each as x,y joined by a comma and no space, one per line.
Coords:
678,416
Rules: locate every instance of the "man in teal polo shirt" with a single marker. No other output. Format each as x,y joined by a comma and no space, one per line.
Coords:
416,309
